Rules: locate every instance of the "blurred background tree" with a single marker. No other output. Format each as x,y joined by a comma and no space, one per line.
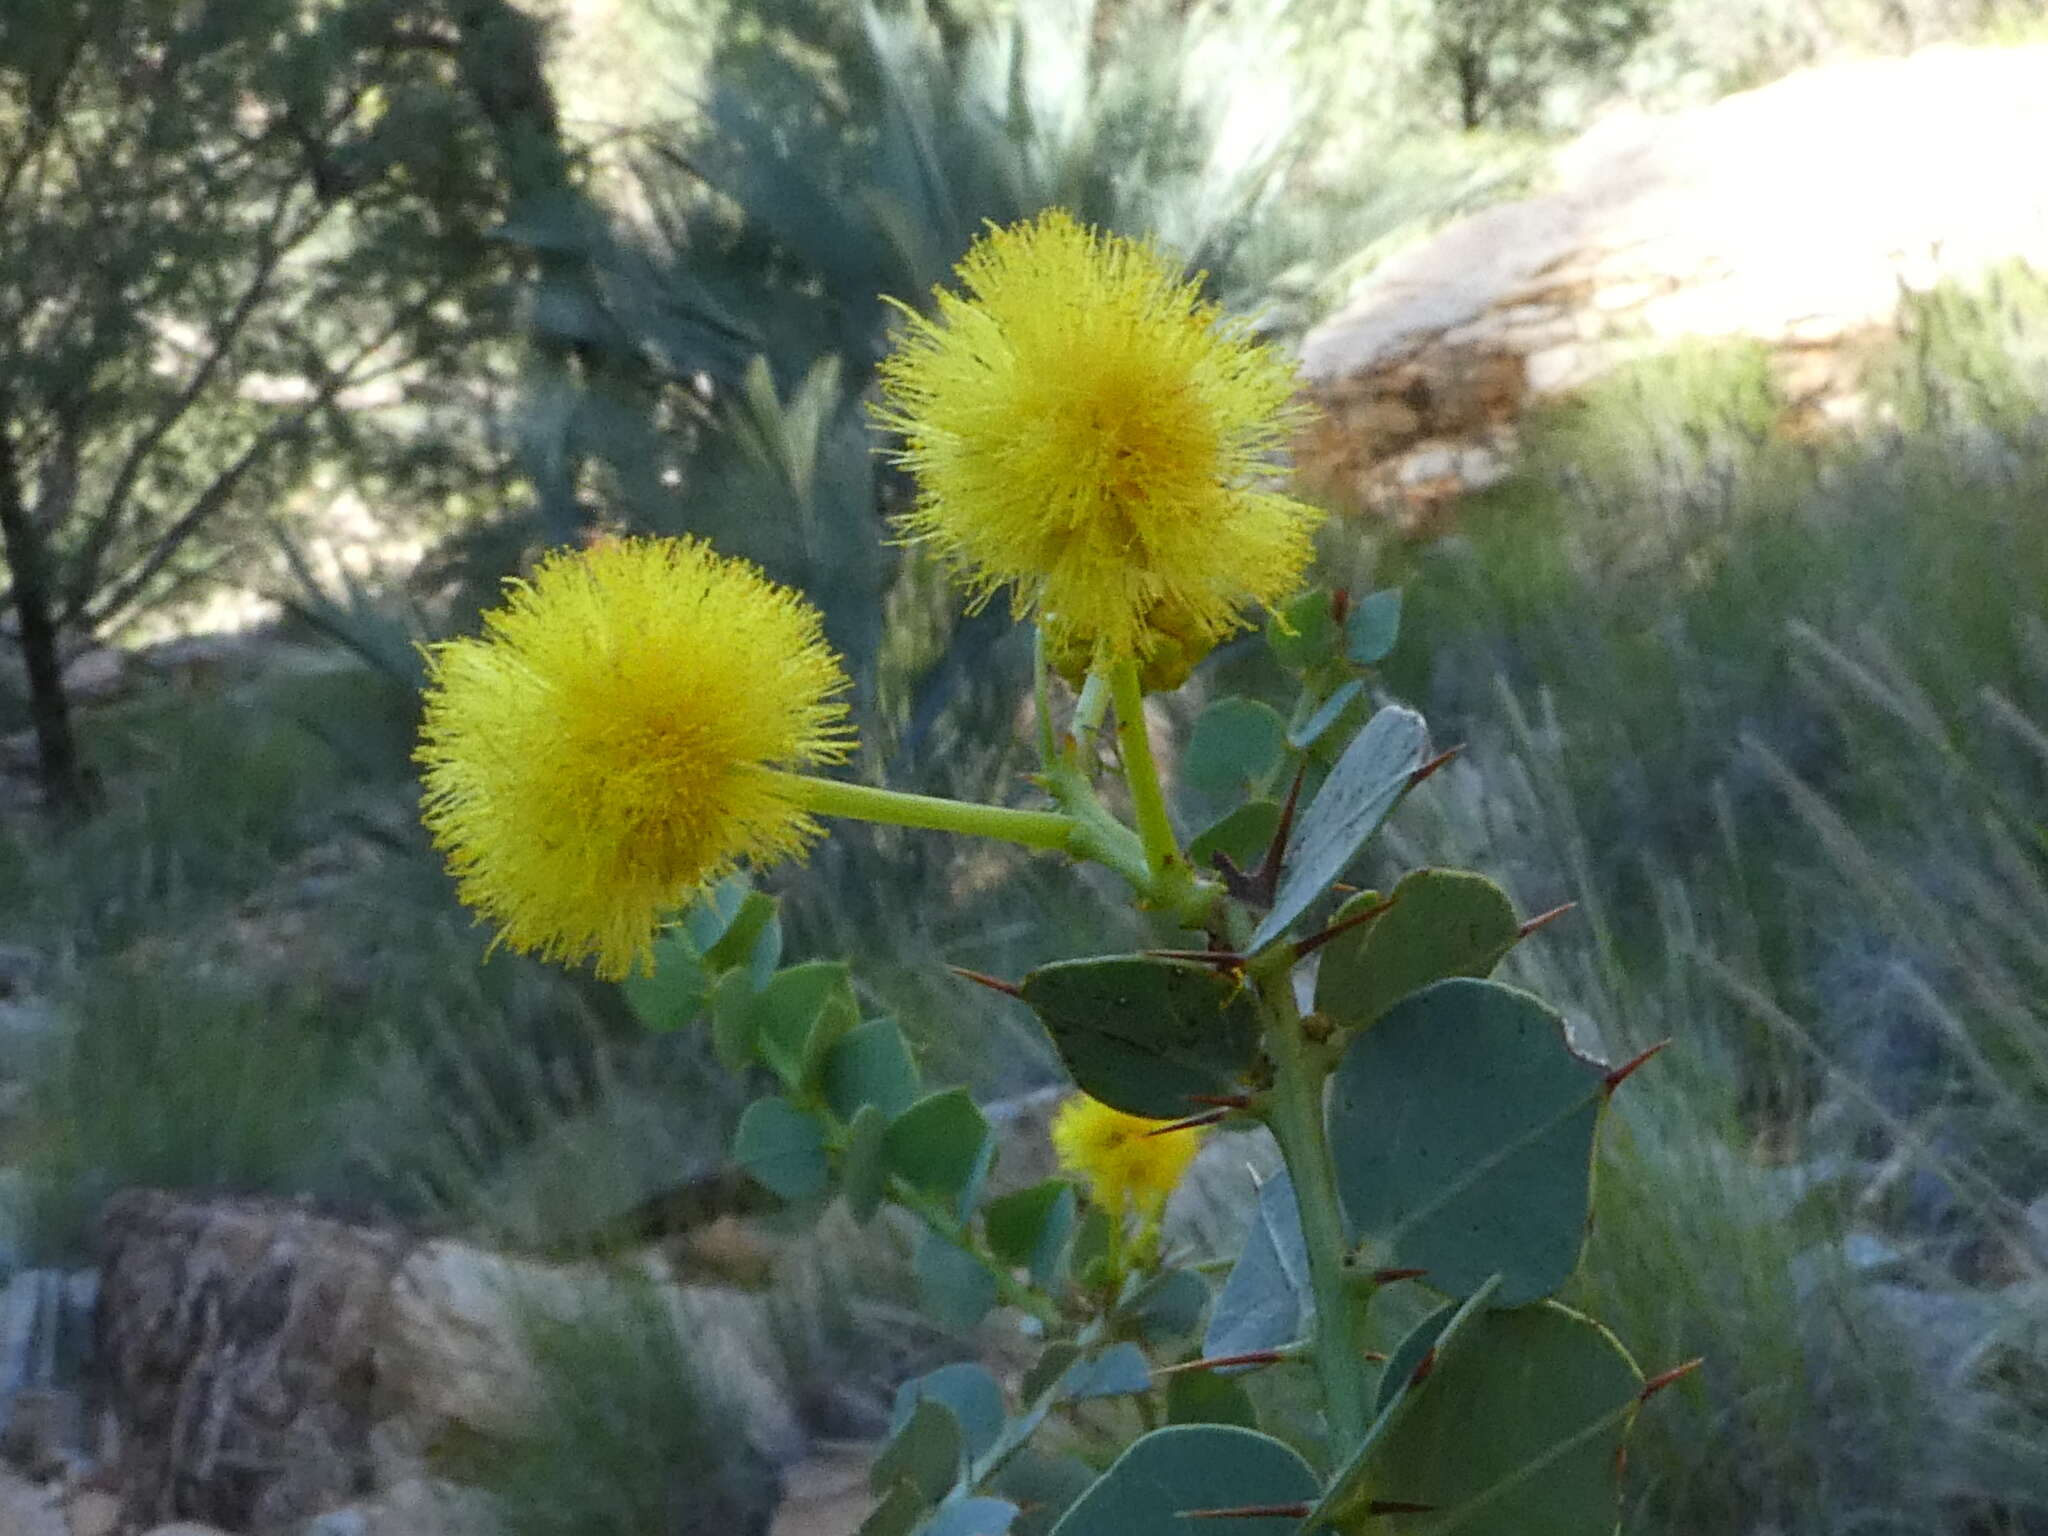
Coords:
1500,59
238,240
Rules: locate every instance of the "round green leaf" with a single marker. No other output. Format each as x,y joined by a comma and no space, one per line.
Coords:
1236,745
864,1172
783,1148
1153,1486
1304,635
1462,1127
953,1286
1029,1229
1516,1433
925,1451
675,992
733,1021
1203,1397
1119,1371
941,1146
1374,626
965,1388
797,1017
748,924
1444,922
871,1065
1045,1485
1147,1035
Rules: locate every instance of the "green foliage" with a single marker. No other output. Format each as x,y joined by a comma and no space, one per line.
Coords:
1766,699
1204,1397
1030,1228
1266,1303
284,207
845,157
162,1079
1192,1467
1442,923
1497,60
871,1066
1515,1433
627,1433
783,1148
1464,1127
941,1147
1237,745
1363,787
1146,1035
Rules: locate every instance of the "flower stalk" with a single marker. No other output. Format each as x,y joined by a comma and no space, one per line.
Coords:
1141,771
1053,830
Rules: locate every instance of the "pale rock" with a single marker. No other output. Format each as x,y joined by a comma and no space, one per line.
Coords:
92,1512
29,1509
1795,215
1626,295
448,1346
1436,461
1556,369
96,674
417,1507
186,1528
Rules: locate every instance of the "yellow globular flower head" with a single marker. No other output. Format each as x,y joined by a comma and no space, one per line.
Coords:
1085,429
1123,1165
597,754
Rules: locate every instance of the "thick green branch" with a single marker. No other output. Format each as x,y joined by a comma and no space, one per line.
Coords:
1296,1118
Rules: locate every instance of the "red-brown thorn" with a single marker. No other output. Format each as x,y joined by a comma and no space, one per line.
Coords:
1433,765
1267,877
1315,941
993,983
1192,1122
1222,959
1658,1383
1543,920
1217,1362
1246,1512
1621,1073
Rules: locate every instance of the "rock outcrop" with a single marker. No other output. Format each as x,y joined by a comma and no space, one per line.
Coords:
1795,215
268,1364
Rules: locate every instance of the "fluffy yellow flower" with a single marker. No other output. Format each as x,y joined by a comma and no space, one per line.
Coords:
1124,1167
597,754
1085,429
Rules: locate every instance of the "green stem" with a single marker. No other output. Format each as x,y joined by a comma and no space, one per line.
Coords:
1041,697
1088,712
896,808
1148,801
1296,1118
1098,835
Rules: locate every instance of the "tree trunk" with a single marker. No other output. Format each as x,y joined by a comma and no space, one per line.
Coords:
66,787
1472,72
501,56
